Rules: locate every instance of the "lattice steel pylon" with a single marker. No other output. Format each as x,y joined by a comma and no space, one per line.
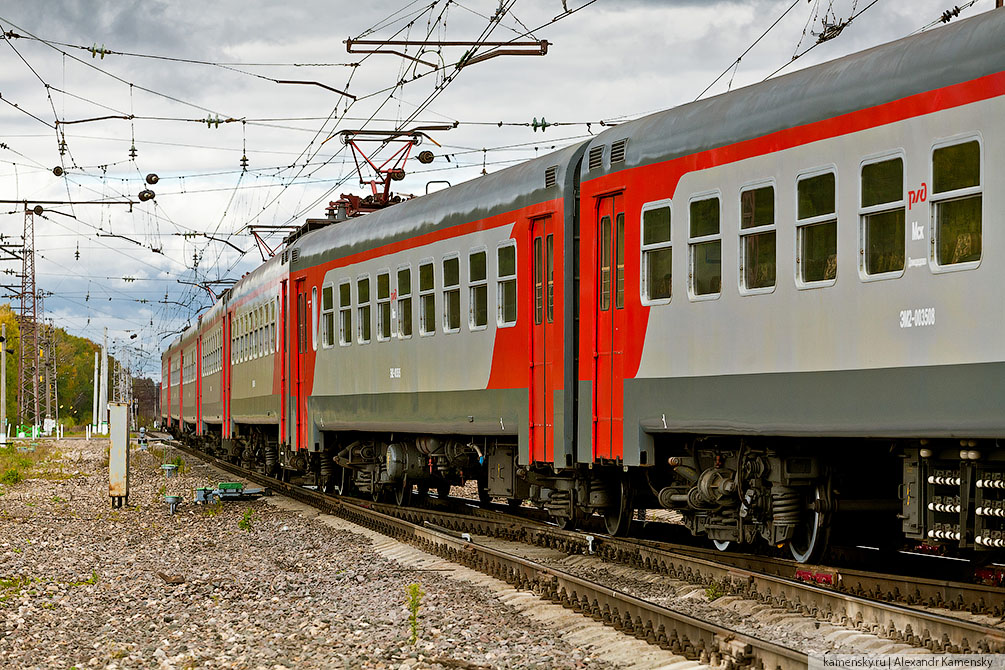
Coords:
28,362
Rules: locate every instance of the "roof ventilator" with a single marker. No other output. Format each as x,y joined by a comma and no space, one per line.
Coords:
618,151
596,158
551,176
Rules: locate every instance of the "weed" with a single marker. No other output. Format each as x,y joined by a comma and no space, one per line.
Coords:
247,521
57,499
93,579
716,590
12,587
212,509
180,462
11,476
415,594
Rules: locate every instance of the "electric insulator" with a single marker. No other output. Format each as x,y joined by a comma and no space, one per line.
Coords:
426,157
146,194
132,151
58,171
244,163
397,174
152,178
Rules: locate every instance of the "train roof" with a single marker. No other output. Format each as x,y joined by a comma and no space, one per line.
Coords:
949,55
497,193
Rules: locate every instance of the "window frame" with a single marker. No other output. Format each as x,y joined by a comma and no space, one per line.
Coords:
431,292
396,320
692,242
742,233
361,306
500,279
325,344
444,290
864,212
379,302
476,283
812,221
343,340
960,193
643,248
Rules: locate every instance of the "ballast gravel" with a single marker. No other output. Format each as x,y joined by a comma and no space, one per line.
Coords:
240,585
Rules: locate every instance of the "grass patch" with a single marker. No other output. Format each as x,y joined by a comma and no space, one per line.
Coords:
11,588
16,465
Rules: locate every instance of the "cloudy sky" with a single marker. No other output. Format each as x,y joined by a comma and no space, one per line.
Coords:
173,65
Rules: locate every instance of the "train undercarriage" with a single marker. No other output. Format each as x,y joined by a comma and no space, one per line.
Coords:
797,495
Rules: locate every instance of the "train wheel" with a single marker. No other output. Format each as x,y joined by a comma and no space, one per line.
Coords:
618,518
722,545
421,493
403,494
810,540
567,522
443,490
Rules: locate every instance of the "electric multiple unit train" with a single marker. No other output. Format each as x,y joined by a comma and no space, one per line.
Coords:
771,311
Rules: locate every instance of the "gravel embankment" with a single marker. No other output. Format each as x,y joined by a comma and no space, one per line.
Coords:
84,585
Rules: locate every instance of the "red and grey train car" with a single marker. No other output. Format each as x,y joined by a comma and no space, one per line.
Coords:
768,310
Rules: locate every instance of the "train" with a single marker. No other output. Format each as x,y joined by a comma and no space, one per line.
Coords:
769,311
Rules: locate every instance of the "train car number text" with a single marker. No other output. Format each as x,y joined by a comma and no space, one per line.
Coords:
916,318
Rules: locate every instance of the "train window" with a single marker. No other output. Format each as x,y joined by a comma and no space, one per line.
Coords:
957,203
345,313
538,282
881,217
274,335
816,229
549,276
327,316
656,253
506,284
427,300
383,307
705,246
605,263
258,331
619,261
478,293
363,308
451,294
404,302
757,239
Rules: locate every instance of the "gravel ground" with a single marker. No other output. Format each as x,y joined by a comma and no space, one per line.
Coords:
84,585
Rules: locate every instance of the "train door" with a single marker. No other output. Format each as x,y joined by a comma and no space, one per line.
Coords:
610,324
181,388
225,373
284,365
198,385
543,340
303,317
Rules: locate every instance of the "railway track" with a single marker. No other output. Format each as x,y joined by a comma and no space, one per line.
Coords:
868,602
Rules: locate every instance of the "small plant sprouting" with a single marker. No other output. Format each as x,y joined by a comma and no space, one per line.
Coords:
716,590
247,521
415,594
180,462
